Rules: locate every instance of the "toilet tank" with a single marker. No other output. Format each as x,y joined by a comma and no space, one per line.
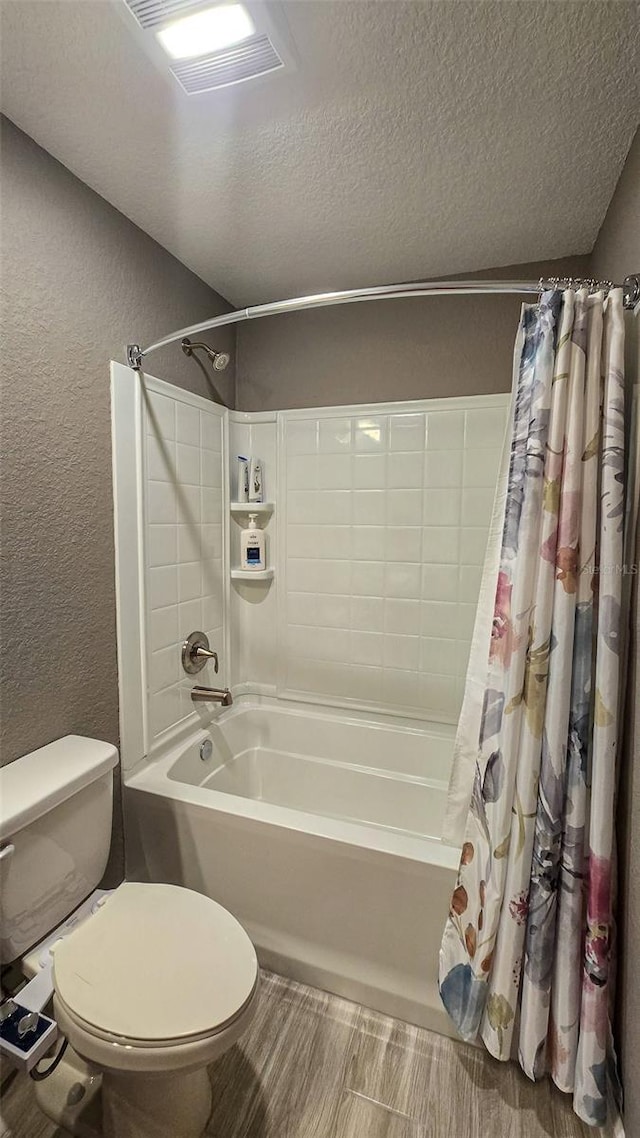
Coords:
56,806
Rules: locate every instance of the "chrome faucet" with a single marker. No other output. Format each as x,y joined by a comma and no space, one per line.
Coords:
212,695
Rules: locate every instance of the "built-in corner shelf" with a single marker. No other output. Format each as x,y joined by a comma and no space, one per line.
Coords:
252,574
251,508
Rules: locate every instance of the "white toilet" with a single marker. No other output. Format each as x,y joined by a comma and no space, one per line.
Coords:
151,982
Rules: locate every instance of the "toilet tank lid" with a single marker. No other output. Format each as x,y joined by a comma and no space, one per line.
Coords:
41,780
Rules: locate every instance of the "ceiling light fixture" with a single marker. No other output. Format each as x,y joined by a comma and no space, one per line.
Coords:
206,31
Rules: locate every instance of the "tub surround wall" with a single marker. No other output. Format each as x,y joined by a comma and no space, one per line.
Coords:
78,281
377,536
169,457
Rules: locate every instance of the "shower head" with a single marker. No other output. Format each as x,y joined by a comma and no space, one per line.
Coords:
219,360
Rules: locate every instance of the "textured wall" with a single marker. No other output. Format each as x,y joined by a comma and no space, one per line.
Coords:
78,281
617,253
394,349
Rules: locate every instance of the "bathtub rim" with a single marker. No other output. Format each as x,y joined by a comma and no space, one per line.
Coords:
152,776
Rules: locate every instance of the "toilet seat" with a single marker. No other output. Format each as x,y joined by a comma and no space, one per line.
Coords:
157,967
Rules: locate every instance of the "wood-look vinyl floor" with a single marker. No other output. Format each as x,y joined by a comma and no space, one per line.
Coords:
316,1066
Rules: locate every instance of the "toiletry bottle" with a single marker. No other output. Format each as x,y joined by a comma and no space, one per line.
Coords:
243,479
253,552
256,487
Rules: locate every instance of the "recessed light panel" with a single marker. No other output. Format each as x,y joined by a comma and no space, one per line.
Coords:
206,31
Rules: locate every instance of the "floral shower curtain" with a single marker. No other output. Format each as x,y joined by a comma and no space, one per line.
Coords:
526,955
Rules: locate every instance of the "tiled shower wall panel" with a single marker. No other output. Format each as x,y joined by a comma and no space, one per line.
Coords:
384,523
183,547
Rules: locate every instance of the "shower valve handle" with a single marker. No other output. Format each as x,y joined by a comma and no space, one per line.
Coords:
196,653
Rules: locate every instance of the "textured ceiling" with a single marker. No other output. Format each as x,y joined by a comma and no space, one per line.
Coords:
413,139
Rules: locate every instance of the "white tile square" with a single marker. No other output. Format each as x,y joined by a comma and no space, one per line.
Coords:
400,688
440,544
485,427
210,432
445,430
188,501
407,432
329,644
470,580
189,618
369,507
368,543
334,471
333,576
299,574
367,578
163,627
440,619
189,581
161,503
212,614
466,620
305,675
189,543
477,505
367,614
370,433
403,543
211,469
443,469
439,656
404,470
161,418
210,505
301,506
164,668
164,709
163,586
362,684
439,696
402,579
302,472
304,541
211,538
481,467
401,652
439,582
367,648
334,542
161,545
188,464
404,507
187,424
369,471
302,436
332,507
335,435
441,507
473,545
401,617
329,610
161,459
212,576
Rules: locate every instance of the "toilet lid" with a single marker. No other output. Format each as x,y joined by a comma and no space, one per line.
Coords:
156,962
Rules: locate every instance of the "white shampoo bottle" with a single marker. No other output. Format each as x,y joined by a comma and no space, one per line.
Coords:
253,546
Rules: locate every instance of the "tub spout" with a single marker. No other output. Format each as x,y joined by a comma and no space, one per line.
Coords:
212,695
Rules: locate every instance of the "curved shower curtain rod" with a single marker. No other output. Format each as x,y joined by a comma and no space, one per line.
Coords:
630,298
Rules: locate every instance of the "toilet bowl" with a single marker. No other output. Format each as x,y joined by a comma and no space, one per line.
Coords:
156,985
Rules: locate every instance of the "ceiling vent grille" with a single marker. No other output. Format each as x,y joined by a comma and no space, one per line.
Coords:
253,57
150,13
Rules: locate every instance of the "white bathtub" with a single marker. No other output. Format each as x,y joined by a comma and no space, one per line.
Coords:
320,832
